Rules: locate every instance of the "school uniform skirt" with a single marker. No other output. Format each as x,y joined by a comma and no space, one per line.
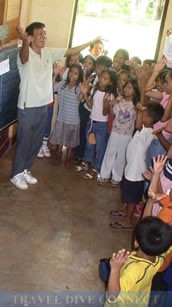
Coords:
132,191
65,134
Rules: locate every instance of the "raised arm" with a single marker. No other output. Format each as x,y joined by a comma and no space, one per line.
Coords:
77,49
26,40
151,82
155,186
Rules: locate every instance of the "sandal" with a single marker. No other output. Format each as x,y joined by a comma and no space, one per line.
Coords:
91,175
102,181
118,213
82,167
120,226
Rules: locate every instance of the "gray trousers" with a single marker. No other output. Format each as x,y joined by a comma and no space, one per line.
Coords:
30,132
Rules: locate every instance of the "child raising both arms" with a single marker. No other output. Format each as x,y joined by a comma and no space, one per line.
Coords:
66,130
105,89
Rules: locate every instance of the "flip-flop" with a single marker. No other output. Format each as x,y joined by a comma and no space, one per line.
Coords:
119,226
118,213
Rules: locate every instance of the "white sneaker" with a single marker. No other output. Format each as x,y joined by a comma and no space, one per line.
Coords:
46,151
19,181
29,178
41,153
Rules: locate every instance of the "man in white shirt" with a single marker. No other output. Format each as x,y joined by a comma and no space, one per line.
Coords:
35,64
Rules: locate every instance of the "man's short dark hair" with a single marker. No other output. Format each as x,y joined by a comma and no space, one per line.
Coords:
34,25
153,236
155,111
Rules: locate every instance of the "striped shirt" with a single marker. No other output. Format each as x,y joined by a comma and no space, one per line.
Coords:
68,103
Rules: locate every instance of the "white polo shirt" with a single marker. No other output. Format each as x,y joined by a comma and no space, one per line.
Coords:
36,88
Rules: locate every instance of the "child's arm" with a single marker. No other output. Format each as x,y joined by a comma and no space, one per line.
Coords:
148,208
108,105
116,262
84,93
155,186
150,84
56,70
139,118
163,141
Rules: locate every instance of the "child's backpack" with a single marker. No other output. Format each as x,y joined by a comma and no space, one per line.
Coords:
104,269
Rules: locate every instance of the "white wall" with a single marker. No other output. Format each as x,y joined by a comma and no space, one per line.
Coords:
56,14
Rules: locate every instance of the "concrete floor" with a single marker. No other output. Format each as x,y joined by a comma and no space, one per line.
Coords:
53,234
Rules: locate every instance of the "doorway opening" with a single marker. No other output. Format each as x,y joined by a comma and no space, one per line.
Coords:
134,25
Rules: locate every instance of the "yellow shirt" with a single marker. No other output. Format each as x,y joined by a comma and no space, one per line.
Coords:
135,281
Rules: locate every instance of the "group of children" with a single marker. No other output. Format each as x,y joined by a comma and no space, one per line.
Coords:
115,118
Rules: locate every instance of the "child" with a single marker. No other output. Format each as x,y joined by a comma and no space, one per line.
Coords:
119,60
122,130
160,192
131,274
66,130
97,48
97,125
89,75
133,182
70,60
102,63
163,98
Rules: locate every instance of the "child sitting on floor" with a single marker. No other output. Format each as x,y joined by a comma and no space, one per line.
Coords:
131,274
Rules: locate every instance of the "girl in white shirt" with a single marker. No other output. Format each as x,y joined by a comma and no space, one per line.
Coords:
105,88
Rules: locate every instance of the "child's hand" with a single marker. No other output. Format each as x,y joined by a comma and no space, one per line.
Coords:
57,69
148,173
160,64
140,107
118,259
158,163
83,88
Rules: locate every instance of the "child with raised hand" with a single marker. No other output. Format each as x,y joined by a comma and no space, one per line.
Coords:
66,130
132,273
133,182
162,96
89,75
122,130
160,193
105,89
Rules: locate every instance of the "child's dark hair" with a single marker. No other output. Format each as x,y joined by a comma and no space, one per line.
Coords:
155,111
162,75
80,78
111,88
104,60
153,236
124,53
135,86
93,59
80,57
34,25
